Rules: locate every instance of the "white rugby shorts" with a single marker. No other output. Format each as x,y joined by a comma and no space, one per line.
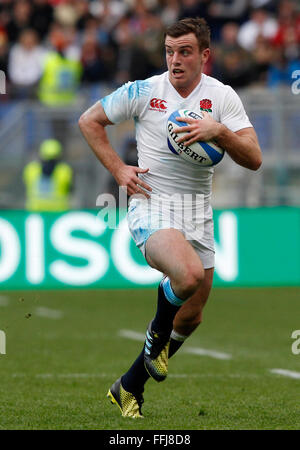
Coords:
145,216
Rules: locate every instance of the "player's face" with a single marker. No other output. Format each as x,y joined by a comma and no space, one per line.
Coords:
185,62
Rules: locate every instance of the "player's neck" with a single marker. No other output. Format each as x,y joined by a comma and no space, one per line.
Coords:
186,91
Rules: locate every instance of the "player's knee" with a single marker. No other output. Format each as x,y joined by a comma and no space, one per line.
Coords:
192,280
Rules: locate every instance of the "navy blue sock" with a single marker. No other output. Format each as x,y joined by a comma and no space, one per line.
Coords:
174,346
165,313
134,379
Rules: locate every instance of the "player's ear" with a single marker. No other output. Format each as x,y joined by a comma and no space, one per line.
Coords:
205,55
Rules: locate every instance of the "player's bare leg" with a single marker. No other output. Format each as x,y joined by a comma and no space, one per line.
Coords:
190,314
169,252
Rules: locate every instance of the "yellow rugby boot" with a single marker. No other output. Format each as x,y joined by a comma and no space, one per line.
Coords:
156,354
129,404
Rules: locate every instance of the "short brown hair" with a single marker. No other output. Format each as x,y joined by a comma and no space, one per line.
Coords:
198,26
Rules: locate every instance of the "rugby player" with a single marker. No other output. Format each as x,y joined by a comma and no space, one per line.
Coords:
187,263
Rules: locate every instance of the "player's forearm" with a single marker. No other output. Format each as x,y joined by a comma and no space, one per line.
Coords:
244,150
97,139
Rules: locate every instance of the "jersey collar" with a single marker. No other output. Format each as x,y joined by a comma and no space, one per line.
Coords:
192,93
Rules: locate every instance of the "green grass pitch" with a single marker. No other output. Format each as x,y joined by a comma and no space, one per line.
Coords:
56,371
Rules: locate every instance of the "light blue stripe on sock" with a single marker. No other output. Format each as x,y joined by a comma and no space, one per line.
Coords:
147,343
148,336
169,293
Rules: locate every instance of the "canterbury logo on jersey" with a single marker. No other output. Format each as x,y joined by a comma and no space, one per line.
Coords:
156,104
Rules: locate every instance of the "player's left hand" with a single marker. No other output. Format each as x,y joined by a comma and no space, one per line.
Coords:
204,129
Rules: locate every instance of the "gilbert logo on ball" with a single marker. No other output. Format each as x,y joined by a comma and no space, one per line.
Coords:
200,153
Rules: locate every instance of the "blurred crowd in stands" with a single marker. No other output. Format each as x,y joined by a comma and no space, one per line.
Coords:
254,42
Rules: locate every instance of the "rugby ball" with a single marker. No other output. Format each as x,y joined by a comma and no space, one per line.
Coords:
200,153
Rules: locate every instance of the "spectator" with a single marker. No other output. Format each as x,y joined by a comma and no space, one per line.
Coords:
281,70
230,9
260,24
169,12
150,42
131,61
83,14
61,73
26,64
221,12
232,65
5,14
59,84
140,53
263,56
194,8
110,12
288,33
73,48
66,13
20,20
94,66
269,5
42,17
48,181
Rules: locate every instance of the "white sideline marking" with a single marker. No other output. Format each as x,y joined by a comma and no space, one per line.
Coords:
114,375
286,373
72,375
204,352
48,313
193,350
212,375
4,301
64,375
132,335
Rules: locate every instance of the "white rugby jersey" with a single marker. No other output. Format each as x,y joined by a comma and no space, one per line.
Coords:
150,102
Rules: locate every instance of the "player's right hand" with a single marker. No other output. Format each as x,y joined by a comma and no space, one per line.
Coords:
128,179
